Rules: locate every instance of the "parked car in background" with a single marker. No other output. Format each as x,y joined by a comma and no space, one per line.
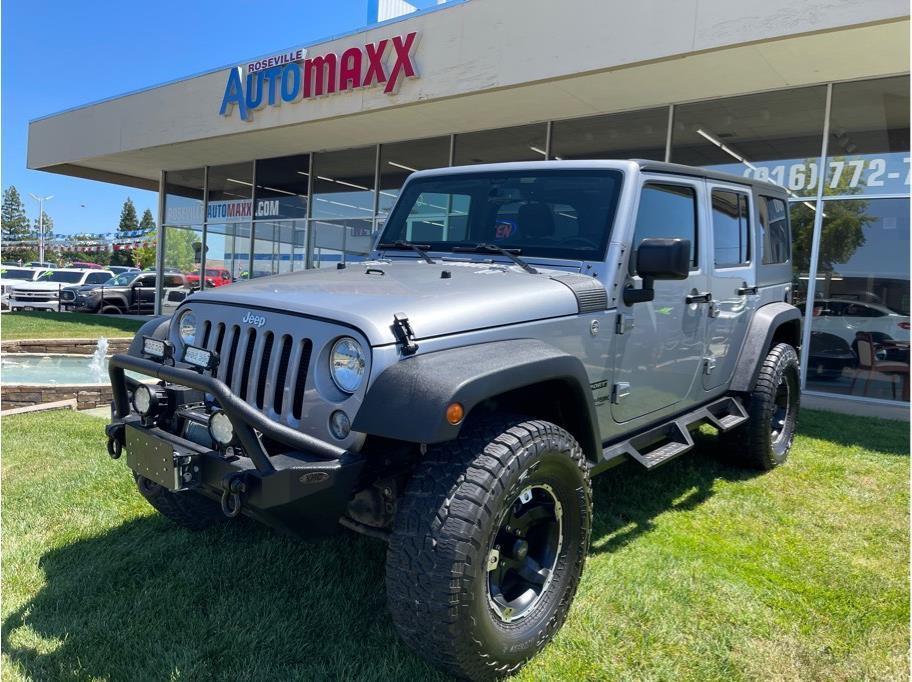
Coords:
215,277
119,269
844,318
42,264
14,276
87,265
44,293
129,292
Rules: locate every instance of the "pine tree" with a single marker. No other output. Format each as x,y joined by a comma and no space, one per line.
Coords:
128,221
16,228
147,223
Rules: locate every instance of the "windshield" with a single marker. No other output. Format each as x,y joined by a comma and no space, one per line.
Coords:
61,276
546,213
122,280
14,273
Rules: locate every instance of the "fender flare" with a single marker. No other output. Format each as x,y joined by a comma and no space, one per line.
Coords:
767,321
157,328
408,400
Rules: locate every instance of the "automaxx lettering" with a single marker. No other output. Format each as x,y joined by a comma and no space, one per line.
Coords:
385,63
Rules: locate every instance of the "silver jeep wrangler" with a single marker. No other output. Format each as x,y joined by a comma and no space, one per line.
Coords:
518,328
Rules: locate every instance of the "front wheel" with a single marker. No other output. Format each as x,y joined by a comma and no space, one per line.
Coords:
488,546
765,440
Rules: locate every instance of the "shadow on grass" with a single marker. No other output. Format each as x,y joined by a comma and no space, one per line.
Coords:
150,600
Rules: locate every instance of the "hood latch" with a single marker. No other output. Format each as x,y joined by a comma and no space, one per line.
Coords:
404,334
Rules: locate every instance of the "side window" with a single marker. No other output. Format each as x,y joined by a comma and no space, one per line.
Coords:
775,240
731,229
98,278
668,212
146,281
174,281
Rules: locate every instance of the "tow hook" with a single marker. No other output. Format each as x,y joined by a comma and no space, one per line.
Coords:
115,440
233,486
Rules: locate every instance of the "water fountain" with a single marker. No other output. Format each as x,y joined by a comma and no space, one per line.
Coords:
98,367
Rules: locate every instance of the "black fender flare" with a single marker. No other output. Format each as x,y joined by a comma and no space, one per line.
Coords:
157,328
779,318
408,400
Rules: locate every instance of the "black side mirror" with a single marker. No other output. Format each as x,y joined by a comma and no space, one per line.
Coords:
658,259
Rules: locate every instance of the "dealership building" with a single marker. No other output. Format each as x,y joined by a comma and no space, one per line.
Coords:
292,160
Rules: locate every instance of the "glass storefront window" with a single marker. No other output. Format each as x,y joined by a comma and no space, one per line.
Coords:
184,197
343,240
183,246
400,159
522,143
228,248
869,138
279,246
281,187
343,184
628,135
775,136
860,313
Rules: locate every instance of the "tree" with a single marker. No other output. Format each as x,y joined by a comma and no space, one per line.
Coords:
180,250
128,221
18,244
147,223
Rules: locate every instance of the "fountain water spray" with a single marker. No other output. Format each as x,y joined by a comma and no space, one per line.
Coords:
98,367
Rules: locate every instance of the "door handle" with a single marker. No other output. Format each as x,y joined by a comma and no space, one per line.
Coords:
702,297
747,291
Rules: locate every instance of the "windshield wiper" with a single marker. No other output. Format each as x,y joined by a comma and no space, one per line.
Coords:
493,248
402,245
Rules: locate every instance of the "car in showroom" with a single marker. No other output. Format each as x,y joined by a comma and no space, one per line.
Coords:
44,292
517,329
845,318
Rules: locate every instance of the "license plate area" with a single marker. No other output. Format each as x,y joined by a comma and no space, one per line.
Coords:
159,461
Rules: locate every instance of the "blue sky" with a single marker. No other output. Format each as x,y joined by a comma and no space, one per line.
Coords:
58,54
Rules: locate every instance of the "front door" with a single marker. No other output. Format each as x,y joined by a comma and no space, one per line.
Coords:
733,280
660,350
144,294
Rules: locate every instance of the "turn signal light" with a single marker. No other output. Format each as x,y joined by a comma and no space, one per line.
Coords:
454,413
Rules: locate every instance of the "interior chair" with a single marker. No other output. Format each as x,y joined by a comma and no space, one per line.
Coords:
867,348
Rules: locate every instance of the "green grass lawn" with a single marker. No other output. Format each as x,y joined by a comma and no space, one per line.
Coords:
47,325
698,571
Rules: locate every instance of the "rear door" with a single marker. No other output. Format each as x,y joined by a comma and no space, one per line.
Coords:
144,294
733,280
660,351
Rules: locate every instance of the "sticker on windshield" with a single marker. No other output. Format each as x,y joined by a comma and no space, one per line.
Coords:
505,228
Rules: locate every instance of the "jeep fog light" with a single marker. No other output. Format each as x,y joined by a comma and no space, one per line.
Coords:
220,428
339,425
147,399
346,364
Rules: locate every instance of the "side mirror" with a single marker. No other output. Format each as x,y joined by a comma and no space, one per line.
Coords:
658,259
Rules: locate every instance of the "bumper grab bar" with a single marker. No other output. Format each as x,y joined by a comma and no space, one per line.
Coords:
243,417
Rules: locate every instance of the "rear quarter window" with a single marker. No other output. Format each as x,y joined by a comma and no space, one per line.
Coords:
775,235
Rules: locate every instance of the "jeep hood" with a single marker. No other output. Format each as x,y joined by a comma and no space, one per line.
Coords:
438,299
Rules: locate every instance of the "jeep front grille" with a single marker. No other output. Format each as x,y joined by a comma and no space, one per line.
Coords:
266,369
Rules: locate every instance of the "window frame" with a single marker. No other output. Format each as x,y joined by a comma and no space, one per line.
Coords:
671,181
745,195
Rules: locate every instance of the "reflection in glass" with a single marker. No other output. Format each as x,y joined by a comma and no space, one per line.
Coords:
228,247
184,197
281,190
522,143
869,138
343,240
860,313
401,159
775,136
628,135
183,248
343,184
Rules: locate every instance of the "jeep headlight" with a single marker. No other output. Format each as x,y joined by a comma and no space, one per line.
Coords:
186,327
346,364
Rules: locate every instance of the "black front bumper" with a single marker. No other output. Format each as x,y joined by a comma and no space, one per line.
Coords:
300,483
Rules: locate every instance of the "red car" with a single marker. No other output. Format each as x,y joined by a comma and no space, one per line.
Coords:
215,277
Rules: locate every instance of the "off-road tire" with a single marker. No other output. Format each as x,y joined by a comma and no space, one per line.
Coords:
757,448
187,509
437,561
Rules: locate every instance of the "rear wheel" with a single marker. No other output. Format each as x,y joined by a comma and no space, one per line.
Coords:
488,546
187,509
765,440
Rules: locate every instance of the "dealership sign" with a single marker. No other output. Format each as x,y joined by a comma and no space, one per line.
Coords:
226,211
294,75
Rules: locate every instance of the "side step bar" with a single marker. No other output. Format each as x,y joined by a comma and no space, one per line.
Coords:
663,443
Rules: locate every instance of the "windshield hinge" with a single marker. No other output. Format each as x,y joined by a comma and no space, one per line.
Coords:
404,334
